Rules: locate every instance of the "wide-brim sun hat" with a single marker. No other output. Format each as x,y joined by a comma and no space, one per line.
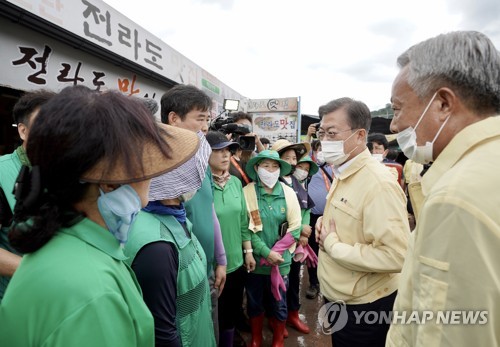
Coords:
186,178
218,140
183,144
313,167
285,168
283,145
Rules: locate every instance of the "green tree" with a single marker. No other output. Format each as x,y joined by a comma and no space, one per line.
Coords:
385,112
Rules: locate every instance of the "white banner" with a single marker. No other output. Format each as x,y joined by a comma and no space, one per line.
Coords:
276,125
99,23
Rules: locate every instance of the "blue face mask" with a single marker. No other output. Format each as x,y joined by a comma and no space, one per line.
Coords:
119,209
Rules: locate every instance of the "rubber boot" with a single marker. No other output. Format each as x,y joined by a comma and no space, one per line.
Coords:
294,321
272,321
256,324
278,332
226,338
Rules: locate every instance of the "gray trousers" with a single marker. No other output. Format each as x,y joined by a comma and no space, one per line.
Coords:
214,296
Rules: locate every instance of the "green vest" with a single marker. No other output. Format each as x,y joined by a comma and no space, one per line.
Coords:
193,317
10,165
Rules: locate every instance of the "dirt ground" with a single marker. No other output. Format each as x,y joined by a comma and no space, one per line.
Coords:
309,314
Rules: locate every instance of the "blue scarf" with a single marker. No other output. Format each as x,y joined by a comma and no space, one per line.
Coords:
178,211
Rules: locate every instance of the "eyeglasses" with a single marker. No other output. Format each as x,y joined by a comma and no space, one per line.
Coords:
328,134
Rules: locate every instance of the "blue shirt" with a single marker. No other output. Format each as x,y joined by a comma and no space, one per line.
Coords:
317,190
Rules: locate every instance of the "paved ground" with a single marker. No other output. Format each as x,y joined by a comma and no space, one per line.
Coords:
309,313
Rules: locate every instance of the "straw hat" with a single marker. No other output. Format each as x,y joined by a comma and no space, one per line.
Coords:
313,167
285,168
184,144
283,145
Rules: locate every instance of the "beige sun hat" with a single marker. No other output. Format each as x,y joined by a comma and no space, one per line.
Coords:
302,149
183,144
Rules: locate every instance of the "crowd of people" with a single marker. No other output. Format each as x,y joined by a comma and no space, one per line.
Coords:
119,229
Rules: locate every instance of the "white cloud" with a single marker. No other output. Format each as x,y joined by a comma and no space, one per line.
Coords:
319,49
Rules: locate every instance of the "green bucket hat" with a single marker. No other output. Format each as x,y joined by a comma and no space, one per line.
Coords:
313,166
285,168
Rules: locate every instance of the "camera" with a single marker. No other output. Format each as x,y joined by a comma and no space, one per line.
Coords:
228,126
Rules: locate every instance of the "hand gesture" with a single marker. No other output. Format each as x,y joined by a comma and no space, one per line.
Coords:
220,278
319,225
311,130
275,258
249,262
303,241
332,229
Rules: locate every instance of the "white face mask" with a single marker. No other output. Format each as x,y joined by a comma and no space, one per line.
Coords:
269,179
407,140
320,158
378,156
333,151
300,174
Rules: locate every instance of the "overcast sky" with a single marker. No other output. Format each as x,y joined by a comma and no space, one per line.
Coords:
318,49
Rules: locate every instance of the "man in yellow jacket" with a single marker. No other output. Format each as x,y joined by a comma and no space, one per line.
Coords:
364,230
446,99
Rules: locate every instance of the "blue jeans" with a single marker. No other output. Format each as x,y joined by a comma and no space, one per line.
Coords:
256,286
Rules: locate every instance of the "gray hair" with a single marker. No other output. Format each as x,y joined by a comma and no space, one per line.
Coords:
465,61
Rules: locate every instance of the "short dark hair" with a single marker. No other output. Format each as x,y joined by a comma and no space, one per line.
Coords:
359,116
379,139
321,111
183,99
392,154
264,140
151,105
74,131
29,102
236,116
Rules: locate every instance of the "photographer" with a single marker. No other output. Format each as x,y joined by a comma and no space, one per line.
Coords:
265,142
237,128
311,132
244,120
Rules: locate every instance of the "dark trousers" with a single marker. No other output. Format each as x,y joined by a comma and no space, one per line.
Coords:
313,271
363,334
292,295
231,299
259,297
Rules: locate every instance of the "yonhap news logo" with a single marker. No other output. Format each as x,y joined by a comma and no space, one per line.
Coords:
332,317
